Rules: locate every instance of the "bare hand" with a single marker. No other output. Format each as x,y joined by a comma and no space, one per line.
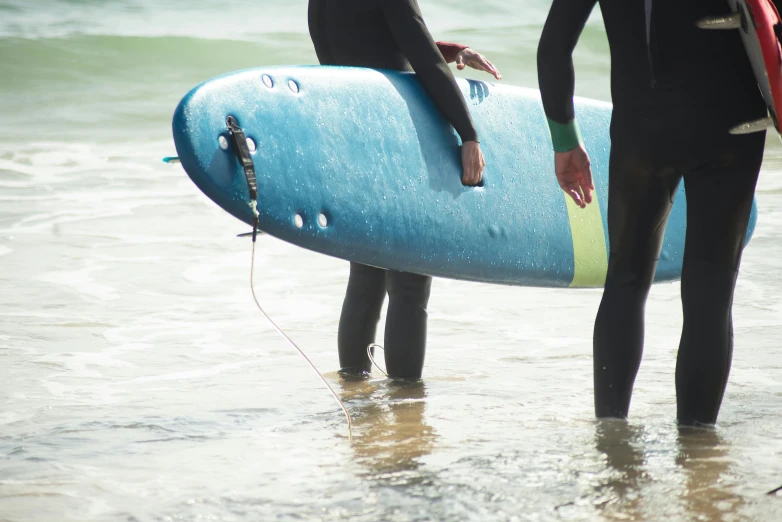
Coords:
472,163
470,58
575,175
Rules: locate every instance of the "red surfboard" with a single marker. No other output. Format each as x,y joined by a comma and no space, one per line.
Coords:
760,26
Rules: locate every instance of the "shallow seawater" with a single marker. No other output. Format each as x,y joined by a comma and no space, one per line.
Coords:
140,383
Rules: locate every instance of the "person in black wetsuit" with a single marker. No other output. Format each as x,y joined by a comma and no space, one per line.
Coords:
391,34
676,90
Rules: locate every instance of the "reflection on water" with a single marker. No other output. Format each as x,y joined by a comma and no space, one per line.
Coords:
618,496
701,457
709,490
390,426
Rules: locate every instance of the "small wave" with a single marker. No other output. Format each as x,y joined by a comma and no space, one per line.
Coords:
71,86
215,18
221,18
82,55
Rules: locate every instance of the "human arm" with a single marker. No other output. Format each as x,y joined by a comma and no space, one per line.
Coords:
410,33
470,58
556,79
412,36
466,57
450,50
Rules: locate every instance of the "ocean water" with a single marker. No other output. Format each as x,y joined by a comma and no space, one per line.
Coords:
140,383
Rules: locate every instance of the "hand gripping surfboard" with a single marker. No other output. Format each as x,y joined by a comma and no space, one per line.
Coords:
760,26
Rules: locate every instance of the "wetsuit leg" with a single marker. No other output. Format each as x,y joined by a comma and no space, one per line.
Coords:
405,334
360,314
639,201
719,201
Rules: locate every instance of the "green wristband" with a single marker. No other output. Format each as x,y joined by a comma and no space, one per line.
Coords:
564,136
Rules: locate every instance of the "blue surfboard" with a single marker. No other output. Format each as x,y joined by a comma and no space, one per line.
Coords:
358,164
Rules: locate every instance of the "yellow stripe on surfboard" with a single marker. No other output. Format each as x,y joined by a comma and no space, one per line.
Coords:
589,243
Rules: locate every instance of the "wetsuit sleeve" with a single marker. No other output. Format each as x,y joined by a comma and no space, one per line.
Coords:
411,35
315,22
450,50
556,76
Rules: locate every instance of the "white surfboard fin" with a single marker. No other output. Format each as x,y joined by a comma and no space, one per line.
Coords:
753,126
733,21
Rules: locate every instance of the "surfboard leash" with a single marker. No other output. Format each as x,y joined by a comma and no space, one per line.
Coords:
371,357
239,142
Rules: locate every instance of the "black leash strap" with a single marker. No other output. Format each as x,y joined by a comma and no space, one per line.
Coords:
239,143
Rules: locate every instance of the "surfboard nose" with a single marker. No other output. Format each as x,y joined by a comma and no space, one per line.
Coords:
235,162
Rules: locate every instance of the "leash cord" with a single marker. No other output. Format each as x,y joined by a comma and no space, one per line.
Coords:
290,341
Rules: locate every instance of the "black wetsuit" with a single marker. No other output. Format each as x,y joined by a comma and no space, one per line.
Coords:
676,92
388,34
